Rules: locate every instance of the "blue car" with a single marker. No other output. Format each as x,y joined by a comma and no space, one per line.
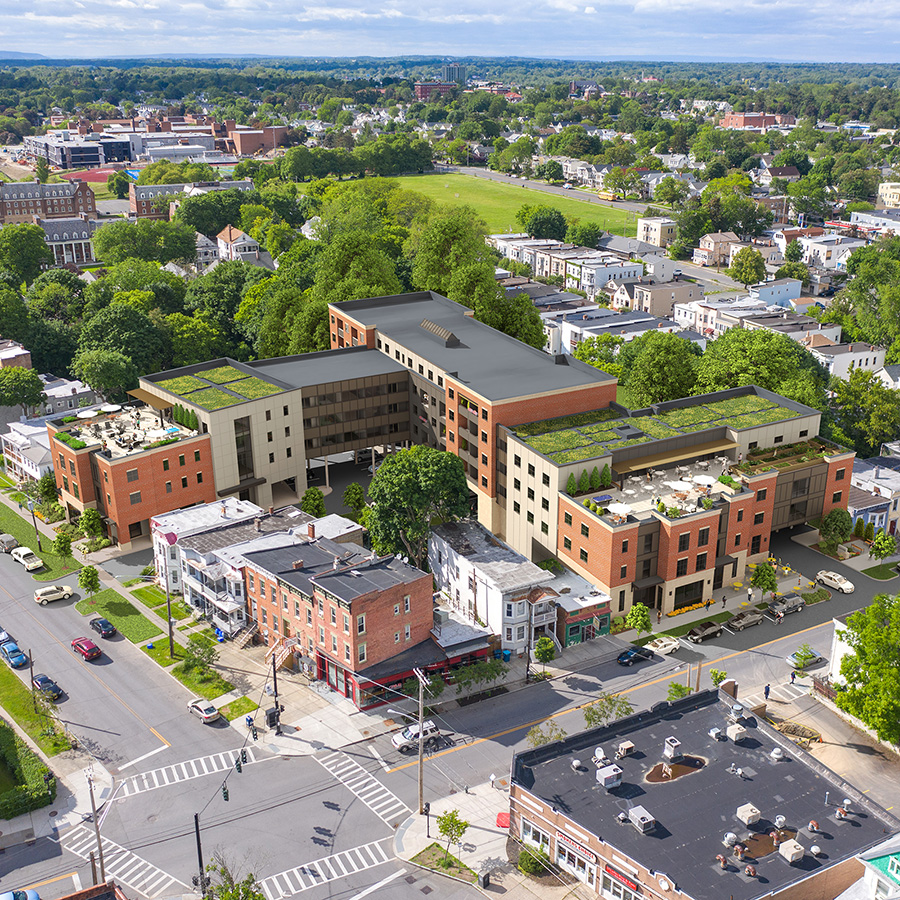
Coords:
13,655
20,895
634,654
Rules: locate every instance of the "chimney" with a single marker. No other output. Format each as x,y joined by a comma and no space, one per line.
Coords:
271,510
336,564
257,524
297,564
311,530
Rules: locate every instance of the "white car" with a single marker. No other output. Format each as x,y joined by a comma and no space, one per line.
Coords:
27,557
203,710
407,740
664,644
833,580
52,592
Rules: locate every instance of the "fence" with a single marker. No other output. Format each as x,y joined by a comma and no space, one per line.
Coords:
821,686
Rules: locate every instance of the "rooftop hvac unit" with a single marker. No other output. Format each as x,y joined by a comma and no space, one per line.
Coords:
671,749
736,732
791,851
609,777
641,819
576,765
748,814
777,754
441,616
736,713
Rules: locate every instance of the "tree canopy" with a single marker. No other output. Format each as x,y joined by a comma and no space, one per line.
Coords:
148,239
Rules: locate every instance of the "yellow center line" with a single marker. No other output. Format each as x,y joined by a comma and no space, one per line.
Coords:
645,684
38,884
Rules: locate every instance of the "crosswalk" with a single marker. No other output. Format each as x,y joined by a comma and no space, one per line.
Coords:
386,805
321,871
184,771
124,866
779,693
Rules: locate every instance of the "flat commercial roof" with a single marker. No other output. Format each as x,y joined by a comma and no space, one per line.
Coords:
496,366
694,810
326,367
662,459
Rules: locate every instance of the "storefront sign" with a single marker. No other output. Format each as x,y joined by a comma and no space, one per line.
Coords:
573,845
624,879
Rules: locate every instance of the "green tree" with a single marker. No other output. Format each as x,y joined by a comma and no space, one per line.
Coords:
596,483
452,239
665,368
585,234
42,169
155,240
452,827
20,387
748,266
584,482
546,733
108,372
717,676
227,886
23,251
194,339
313,502
764,578
89,580
794,270
544,651
516,316
355,498
117,184
551,170
128,331
605,708
353,267
602,352
62,545
836,527
638,618
90,523
859,528
865,410
793,252
13,314
677,691
46,486
869,536
883,546
605,476
542,221
672,191
571,485
871,672
199,655
412,491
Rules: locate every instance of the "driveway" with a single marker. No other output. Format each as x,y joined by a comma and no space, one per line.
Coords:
128,566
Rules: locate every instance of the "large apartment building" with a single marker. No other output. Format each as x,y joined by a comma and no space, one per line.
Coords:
22,201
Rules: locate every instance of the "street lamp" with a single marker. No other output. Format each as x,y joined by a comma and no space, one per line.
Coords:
37,534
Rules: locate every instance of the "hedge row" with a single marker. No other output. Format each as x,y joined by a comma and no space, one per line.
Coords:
32,790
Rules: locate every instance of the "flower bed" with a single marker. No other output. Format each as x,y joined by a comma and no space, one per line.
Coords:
69,440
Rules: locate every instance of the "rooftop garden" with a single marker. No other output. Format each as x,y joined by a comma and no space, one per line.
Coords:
183,384
222,374
212,398
253,388
763,459
210,389
570,439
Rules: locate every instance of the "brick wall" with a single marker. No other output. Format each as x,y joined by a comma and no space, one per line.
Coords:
835,484
670,534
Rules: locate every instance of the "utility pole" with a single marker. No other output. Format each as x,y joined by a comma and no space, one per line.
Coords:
31,679
275,688
171,539
528,643
90,781
202,881
421,676
93,867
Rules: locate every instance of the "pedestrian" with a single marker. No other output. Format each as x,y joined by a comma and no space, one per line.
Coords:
658,616
793,676
766,691
708,604
724,601
749,595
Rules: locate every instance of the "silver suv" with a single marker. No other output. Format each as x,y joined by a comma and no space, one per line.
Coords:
407,740
787,604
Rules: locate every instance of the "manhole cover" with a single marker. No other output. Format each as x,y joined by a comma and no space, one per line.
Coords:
426,889
410,879
53,813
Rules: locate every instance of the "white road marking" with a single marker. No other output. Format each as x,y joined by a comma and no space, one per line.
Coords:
142,758
385,804
380,884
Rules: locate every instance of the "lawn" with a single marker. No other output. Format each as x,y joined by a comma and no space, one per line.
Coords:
238,708
150,595
882,572
435,857
682,630
498,203
122,613
19,705
204,683
158,651
55,567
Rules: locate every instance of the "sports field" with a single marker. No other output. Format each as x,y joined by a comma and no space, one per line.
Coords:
497,202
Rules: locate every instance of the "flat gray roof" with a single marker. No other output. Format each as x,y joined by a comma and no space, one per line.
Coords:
496,366
326,367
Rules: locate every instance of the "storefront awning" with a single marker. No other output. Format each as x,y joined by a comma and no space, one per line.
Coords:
151,399
658,460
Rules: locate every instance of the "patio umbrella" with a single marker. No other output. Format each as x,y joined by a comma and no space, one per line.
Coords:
619,509
704,479
679,485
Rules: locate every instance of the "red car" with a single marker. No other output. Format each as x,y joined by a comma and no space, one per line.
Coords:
86,647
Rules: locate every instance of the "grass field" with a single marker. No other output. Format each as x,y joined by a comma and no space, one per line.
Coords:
497,203
883,572
238,708
124,615
18,704
55,567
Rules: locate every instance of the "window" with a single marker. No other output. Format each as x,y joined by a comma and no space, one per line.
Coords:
269,437
755,545
684,542
284,410
836,497
840,475
621,601
753,445
132,475
740,515
761,494
701,562
531,470
396,637
199,478
168,487
567,518
165,465
567,543
517,461
450,393
268,415
545,478
483,437
196,456
135,498
545,529
623,572
361,653
484,414
582,555
516,506
321,635
758,518
184,481
585,531
778,439
361,624
309,615
681,568
484,482
271,457
624,548
703,537
804,433
545,503
531,493
406,604
181,459
517,485
648,543
484,459
407,632
396,609
737,540
530,517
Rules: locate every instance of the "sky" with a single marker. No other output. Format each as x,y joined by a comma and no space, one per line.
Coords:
788,30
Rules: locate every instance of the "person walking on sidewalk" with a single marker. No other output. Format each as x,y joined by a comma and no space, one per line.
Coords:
750,595
658,616
766,690
708,604
793,676
724,601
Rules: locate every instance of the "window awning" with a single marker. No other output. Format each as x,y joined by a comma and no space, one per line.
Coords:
151,399
657,460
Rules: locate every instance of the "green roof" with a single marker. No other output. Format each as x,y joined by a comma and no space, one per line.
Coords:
218,387
222,374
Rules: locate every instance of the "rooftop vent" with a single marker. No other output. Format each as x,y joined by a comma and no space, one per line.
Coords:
671,749
445,334
609,776
576,765
748,814
777,754
736,713
641,819
736,732
297,564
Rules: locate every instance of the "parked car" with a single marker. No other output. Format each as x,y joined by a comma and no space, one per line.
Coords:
103,627
836,581
745,619
203,710
8,543
634,654
789,603
4,635
704,632
20,895
798,660
52,592
27,557
664,644
86,647
407,740
12,655
47,686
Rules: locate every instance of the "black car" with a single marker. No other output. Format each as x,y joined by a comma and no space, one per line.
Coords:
47,686
789,603
704,631
103,627
632,655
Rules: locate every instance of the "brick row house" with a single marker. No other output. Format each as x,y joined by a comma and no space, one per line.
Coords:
22,201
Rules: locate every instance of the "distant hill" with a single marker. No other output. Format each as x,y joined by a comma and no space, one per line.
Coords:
15,54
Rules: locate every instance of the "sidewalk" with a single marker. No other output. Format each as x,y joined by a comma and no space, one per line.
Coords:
484,844
857,563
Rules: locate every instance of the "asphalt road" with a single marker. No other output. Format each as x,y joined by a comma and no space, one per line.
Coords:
334,815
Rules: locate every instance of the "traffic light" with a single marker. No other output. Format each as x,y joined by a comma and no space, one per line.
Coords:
253,732
271,717
237,764
243,756
225,792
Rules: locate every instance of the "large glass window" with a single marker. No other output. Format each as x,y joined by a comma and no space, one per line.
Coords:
243,448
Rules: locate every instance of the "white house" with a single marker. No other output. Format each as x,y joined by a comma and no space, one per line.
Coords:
829,251
890,376
26,450
880,475
486,581
839,359
591,274
779,292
